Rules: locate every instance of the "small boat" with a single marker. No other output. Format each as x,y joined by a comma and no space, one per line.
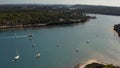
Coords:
16,58
29,35
33,45
30,38
58,46
77,50
38,55
14,33
87,41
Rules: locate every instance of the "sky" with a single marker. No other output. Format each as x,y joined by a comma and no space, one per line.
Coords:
89,2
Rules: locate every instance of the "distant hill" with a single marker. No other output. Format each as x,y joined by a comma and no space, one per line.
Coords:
58,7
98,9
32,7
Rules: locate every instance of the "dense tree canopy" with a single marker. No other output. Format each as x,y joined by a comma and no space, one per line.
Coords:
31,18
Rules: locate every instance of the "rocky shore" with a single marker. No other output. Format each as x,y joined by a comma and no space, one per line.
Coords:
117,29
95,64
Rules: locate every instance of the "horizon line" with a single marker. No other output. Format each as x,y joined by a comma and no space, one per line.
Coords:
56,4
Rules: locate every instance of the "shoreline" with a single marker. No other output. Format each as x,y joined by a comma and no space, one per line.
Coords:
94,63
2,28
7,27
117,29
36,27
90,62
87,62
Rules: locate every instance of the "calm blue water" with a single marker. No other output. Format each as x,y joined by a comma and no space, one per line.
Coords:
104,45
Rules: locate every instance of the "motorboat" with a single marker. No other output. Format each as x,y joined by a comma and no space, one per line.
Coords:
33,45
77,50
29,35
30,38
16,58
88,41
37,56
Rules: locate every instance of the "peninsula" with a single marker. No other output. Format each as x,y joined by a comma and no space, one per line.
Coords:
37,16
33,19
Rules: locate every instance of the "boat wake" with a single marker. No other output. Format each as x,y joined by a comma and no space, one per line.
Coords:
14,37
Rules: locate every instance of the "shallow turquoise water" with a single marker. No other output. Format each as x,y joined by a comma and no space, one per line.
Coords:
104,45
